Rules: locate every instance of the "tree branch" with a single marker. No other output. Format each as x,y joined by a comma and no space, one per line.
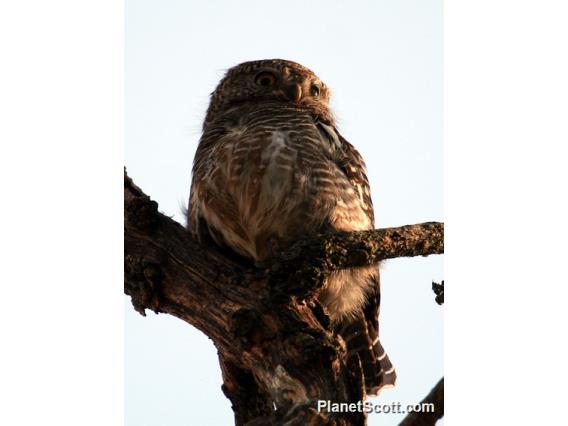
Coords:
360,248
272,353
435,397
438,289
303,268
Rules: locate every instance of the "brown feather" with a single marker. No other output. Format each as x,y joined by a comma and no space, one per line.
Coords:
271,168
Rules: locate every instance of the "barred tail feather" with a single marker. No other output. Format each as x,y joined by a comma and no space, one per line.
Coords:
386,374
363,342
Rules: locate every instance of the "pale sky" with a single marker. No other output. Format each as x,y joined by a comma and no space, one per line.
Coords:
383,63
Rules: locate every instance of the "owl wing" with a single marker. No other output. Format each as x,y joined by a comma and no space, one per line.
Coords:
362,334
353,166
213,205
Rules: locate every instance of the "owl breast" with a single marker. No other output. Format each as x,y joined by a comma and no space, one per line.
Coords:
274,176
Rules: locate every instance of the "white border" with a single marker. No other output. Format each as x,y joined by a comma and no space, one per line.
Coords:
506,113
61,230
505,125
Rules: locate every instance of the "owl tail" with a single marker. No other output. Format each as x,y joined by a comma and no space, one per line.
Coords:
362,341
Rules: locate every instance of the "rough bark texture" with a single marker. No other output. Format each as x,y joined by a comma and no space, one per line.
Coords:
272,336
302,269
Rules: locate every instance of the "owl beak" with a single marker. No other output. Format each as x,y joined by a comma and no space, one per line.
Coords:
295,93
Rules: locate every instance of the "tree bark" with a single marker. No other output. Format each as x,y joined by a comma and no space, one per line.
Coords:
435,397
277,353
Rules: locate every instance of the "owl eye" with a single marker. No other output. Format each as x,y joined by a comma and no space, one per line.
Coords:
315,91
265,79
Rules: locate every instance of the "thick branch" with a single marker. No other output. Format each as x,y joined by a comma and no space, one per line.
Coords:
290,357
272,353
435,397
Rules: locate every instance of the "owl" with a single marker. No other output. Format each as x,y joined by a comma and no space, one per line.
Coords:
271,168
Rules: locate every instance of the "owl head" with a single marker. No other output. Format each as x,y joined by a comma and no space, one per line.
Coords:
270,80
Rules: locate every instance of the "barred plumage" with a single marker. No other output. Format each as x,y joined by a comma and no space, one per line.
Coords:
271,168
